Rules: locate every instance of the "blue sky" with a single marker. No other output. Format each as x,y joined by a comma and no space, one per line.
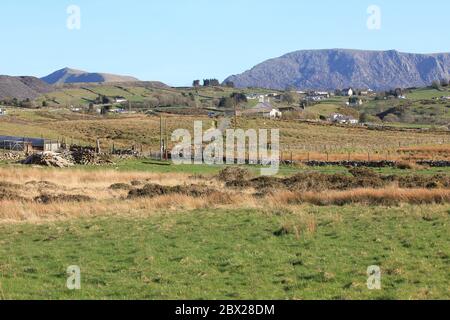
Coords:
176,41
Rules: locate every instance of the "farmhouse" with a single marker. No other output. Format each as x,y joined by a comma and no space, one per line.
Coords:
341,119
354,102
120,100
317,95
263,109
347,92
28,144
2,112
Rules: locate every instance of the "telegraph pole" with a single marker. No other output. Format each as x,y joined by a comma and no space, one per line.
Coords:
235,116
161,137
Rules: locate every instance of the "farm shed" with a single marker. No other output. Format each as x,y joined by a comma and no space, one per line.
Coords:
28,144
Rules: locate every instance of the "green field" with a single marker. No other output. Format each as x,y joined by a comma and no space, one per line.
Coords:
233,254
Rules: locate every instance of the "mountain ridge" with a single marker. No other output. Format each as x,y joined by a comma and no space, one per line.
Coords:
330,69
69,75
23,87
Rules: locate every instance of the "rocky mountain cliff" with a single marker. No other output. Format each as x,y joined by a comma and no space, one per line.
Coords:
340,68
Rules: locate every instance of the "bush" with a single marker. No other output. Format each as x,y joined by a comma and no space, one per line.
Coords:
234,174
391,118
368,118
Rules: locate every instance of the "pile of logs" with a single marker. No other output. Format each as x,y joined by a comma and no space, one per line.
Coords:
11,156
88,156
48,159
126,153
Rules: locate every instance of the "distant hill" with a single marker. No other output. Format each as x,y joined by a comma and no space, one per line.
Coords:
22,87
341,68
68,75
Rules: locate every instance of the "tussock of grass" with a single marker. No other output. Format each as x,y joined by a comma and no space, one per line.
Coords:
383,197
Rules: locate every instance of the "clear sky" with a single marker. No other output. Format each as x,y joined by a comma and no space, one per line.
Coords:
176,41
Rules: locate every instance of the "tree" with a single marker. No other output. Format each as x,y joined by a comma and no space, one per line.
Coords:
391,118
398,92
239,97
227,103
230,84
196,83
289,97
105,100
211,83
214,83
368,118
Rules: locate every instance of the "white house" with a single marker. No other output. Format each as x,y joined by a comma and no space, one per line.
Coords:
120,100
347,92
323,94
2,112
275,114
340,118
263,109
355,102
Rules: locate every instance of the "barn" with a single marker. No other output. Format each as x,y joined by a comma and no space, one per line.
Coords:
28,144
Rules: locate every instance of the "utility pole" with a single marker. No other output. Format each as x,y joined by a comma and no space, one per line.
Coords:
235,116
166,141
161,136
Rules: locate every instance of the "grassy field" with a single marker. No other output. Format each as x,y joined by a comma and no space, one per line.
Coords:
233,254
139,129
230,244
145,229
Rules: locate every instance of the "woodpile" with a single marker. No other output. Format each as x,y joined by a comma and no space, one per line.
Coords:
48,159
126,153
11,156
88,156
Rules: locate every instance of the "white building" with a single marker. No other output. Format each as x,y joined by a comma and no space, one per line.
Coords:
275,114
341,119
347,92
266,110
120,100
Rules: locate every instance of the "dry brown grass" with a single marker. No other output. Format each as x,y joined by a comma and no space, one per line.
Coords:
29,183
387,197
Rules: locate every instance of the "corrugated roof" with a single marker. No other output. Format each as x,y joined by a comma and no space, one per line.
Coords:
33,141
